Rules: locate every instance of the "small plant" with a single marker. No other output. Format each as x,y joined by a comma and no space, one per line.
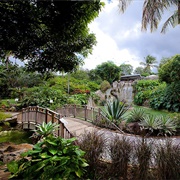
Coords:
167,159
143,153
93,144
168,125
44,130
151,123
52,158
115,110
136,115
120,152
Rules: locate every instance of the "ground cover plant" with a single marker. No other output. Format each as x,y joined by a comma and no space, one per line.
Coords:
51,158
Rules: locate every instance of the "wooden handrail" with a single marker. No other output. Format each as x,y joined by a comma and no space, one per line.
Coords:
33,115
91,114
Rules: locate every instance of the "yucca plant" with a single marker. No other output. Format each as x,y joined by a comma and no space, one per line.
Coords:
115,110
136,115
151,123
168,125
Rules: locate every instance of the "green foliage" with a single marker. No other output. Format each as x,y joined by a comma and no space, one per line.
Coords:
169,72
51,158
3,116
115,110
41,96
105,86
161,125
80,99
108,71
47,35
45,130
143,89
136,115
156,100
166,97
15,136
126,69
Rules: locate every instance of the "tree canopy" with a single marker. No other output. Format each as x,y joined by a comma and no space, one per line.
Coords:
49,35
126,69
152,13
170,71
108,71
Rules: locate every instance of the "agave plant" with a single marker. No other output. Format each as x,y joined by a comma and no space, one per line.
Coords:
168,125
151,123
115,110
44,130
136,115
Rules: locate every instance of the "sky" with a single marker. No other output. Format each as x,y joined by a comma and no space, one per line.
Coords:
120,39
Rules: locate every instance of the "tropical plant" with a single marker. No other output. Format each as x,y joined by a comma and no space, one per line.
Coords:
52,158
152,13
150,123
150,62
168,125
115,110
136,115
160,125
44,130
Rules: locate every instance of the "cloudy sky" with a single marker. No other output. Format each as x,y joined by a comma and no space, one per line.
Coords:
120,39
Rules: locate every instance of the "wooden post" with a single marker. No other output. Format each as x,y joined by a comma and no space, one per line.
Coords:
62,130
74,110
85,113
28,116
46,114
36,117
52,117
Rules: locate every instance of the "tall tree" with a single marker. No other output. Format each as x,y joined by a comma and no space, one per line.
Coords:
108,71
126,69
49,35
150,62
152,13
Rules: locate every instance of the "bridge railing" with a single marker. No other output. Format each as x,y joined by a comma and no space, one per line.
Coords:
91,114
33,115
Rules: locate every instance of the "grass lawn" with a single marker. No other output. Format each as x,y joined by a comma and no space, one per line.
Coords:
150,111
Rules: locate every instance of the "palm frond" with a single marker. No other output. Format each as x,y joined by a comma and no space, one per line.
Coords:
123,4
171,21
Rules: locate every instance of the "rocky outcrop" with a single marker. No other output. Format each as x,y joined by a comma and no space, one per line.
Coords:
10,151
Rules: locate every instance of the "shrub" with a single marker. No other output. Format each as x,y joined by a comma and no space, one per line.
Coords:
143,153
115,110
167,159
104,86
159,125
120,153
93,144
51,158
136,115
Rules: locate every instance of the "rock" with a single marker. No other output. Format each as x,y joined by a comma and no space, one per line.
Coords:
10,151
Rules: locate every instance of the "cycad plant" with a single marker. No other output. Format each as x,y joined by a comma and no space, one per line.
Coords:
115,110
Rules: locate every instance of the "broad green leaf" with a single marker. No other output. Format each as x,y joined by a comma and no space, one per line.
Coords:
13,166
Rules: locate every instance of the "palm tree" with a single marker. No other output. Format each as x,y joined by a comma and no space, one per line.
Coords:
152,13
150,62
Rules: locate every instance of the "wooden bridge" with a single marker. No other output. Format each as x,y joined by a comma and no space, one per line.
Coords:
33,115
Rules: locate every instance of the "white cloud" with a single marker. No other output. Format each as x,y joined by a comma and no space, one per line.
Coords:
121,40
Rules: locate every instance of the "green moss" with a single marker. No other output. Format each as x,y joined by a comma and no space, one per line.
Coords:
3,116
15,136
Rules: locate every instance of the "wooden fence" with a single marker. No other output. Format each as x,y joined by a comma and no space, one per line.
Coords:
33,115
90,114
